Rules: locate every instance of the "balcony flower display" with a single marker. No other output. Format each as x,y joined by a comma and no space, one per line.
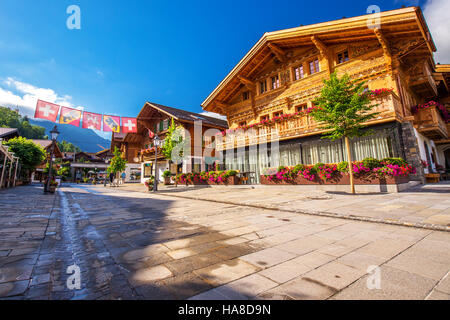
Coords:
287,116
378,92
431,104
265,122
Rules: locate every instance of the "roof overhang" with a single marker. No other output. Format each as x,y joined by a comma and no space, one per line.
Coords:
356,29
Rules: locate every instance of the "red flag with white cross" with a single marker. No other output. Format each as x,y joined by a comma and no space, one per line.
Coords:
92,121
46,110
129,125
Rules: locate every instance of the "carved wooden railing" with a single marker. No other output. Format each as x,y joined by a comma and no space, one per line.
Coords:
430,123
387,106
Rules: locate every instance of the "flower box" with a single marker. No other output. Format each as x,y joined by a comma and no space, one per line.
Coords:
232,181
343,179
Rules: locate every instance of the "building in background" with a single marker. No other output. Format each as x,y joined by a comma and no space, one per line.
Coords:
87,165
156,119
38,175
8,133
284,72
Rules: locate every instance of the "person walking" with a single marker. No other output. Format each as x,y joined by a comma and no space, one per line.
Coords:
111,179
123,176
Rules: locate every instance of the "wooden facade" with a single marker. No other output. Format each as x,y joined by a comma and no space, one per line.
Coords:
284,72
138,147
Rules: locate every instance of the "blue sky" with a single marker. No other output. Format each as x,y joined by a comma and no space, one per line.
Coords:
128,52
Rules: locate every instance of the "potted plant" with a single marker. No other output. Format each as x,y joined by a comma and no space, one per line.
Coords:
149,183
53,185
166,175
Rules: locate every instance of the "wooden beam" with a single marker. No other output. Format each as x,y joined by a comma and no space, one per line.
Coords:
279,53
247,82
288,102
385,45
324,52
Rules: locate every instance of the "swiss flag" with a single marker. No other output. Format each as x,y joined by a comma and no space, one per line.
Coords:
151,135
129,125
46,110
92,121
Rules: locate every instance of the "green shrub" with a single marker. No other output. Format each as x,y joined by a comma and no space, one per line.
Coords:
298,168
318,165
395,161
342,166
281,168
230,173
167,174
371,163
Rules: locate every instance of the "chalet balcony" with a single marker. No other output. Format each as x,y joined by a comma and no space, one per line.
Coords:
430,123
387,105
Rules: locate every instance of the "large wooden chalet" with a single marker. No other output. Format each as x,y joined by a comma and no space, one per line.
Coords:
284,72
138,148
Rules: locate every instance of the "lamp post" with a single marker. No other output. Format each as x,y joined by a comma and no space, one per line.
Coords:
106,171
54,134
156,142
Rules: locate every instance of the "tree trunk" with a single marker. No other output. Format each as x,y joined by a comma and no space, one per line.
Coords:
350,165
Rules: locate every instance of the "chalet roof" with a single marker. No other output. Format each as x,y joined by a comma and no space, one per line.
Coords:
103,151
394,23
187,116
5,132
43,143
46,144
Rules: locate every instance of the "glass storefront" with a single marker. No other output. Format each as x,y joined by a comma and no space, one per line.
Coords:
380,144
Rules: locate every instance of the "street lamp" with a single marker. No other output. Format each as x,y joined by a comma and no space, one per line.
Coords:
156,142
54,134
106,171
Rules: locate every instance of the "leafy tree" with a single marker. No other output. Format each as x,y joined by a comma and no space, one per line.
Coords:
173,138
12,119
65,146
118,163
30,154
342,108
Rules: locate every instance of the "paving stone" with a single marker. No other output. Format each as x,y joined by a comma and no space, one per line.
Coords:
151,274
299,289
225,272
40,279
286,271
385,248
304,245
185,285
10,289
395,285
249,286
437,295
268,257
335,275
420,264
360,261
444,284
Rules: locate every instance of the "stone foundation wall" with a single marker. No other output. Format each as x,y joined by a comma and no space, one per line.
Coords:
411,150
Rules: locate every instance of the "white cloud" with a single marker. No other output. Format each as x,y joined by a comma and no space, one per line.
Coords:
14,93
213,115
436,15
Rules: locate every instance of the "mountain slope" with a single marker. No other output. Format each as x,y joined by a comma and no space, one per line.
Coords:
85,139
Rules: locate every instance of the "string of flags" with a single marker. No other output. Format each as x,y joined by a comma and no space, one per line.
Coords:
88,120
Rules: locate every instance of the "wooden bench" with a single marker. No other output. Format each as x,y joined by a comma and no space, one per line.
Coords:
432,177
